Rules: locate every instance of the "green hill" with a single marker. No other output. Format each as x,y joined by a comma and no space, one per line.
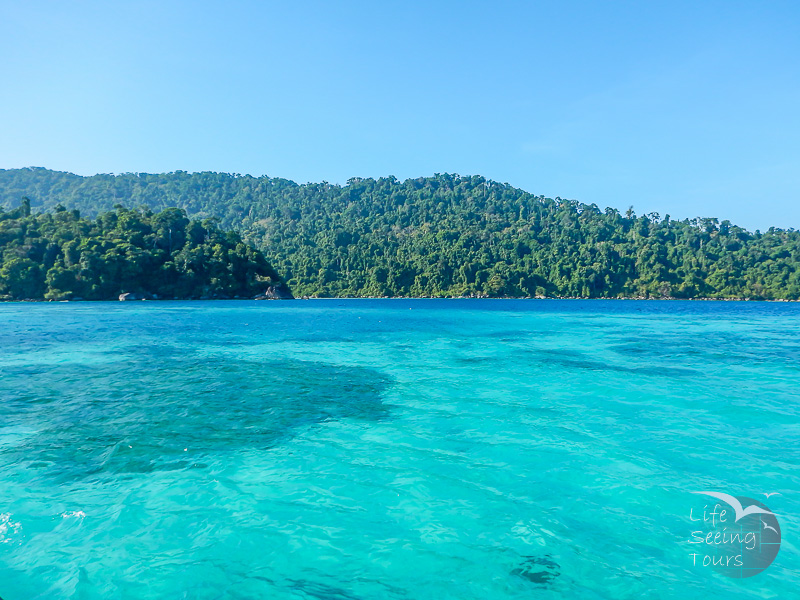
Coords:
60,256
447,235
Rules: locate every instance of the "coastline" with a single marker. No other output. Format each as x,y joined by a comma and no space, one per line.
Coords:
545,298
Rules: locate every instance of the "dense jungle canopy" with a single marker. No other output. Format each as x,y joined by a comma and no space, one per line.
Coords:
58,255
446,235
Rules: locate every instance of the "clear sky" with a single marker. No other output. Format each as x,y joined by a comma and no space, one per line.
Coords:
686,108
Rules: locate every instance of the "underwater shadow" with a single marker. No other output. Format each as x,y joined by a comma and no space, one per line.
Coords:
165,412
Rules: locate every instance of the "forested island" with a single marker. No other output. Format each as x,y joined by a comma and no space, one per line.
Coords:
446,235
57,255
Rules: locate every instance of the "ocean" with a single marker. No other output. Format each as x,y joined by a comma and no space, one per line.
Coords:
382,449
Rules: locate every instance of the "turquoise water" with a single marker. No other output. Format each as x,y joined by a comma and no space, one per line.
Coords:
369,449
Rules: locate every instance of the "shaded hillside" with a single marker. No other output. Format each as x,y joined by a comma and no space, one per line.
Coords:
59,255
448,235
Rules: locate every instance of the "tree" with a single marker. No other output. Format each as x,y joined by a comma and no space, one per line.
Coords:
21,278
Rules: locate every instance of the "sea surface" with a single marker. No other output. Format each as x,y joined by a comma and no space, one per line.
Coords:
390,449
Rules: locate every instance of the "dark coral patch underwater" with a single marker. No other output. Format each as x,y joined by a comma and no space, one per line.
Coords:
163,411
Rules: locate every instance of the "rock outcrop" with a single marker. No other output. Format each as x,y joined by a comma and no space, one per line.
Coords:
279,291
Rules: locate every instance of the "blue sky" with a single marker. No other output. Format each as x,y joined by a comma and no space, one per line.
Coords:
690,109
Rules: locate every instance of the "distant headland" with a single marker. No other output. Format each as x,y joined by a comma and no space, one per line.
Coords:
127,255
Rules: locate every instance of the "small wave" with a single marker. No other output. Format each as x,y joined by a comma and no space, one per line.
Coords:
79,514
7,524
